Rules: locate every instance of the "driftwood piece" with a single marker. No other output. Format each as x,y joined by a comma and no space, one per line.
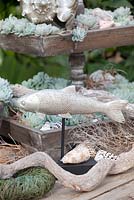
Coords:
124,162
100,95
86,182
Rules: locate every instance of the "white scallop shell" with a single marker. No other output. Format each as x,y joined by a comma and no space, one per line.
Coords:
79,154
101,154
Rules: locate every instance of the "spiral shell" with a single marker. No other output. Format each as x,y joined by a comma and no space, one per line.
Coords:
79,154
41,11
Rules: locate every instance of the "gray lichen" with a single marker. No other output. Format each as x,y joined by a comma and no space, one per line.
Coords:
6,93
89,21
124,91
37,120
44,29
122,17
34,120
23,27
99,19
43,81
78,34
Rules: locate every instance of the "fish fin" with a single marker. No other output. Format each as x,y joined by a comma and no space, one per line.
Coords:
69,89
114,110
65,115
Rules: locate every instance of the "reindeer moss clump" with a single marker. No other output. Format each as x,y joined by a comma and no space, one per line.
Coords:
32,183
43,81
6,93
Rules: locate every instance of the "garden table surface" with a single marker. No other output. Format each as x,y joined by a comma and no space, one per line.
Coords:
117,187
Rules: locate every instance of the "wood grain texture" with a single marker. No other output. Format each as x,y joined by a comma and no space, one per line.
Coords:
124,192
107,188
63,44
48,141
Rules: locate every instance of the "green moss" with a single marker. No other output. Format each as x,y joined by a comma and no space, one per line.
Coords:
32,183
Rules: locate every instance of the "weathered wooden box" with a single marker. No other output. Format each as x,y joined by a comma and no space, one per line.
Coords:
34,139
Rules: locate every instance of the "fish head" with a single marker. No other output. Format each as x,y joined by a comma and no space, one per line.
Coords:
28,103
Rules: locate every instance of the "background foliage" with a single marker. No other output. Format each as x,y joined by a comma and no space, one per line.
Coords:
16,67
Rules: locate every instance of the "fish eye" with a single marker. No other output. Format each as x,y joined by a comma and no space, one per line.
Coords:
23,103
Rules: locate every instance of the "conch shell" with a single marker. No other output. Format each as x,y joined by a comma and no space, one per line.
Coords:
79,154
41,11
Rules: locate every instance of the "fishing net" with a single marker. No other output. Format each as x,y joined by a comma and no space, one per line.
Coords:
110,136
31,183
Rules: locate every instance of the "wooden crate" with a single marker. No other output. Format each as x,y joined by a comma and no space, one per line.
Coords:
34,139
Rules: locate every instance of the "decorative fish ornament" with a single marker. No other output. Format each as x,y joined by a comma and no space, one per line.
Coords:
41,11
79,154
66,101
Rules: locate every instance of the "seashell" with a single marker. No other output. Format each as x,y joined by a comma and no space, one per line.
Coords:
101,154
79,154
66,9
46,127
39,11
66,3
63,14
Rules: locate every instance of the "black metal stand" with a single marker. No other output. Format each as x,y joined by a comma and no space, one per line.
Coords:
62,137
74,168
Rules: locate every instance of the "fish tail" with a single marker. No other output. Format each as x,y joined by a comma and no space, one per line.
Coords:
114,110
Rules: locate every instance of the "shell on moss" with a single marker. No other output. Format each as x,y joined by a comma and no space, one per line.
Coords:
40,11
79,154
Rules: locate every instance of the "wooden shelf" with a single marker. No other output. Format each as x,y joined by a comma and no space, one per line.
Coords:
63,44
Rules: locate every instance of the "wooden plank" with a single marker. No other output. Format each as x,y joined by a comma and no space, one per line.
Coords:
63,44
113,37
38,46
124,192
110,183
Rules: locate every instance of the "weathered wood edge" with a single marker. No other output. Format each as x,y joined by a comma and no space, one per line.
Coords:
63,44
48,141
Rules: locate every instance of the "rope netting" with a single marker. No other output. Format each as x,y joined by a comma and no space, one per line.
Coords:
110,136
